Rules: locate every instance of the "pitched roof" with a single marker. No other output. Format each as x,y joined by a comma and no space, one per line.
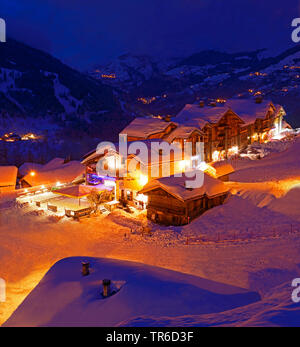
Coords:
196,116
77,191
151,150
64,173
222,168
182,132
144,127
247,109
8,176
176,186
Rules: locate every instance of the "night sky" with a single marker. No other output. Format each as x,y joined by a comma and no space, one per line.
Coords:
85,32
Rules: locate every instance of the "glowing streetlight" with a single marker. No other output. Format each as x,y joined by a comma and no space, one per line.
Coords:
143,180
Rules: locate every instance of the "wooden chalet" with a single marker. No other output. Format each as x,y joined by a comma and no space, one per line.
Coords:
232,125
148,131
148,128
171,203
140,169
141,129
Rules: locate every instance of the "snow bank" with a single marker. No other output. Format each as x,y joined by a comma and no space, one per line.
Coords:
241,218
65,298
280,164
275,310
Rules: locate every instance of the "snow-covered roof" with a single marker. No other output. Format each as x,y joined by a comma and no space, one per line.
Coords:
144,127
63,173
26,168
176,186
54,163
196,116
181,132
69,299
247,109
8,176
153,151
222,168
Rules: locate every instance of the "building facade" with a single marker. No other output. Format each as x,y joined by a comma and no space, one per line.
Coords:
231,126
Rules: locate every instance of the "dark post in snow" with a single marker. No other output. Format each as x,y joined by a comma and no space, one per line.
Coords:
106,287
85,269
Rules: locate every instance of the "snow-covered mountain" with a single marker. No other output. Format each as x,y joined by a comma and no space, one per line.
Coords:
33,82
34,85
41,95
130,71
164,87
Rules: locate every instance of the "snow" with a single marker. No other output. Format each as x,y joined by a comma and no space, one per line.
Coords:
196,116
26,168
64,96
53,164
251,242
189,70
181,132
55,171
222,168
281,165
288,61
73,300
241,218
247,109
275,310
42,243
8,176
216,78
144,127
176,186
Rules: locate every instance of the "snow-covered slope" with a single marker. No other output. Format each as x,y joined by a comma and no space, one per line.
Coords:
277,166
36,84
129,71
205,75
65,298
275,309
